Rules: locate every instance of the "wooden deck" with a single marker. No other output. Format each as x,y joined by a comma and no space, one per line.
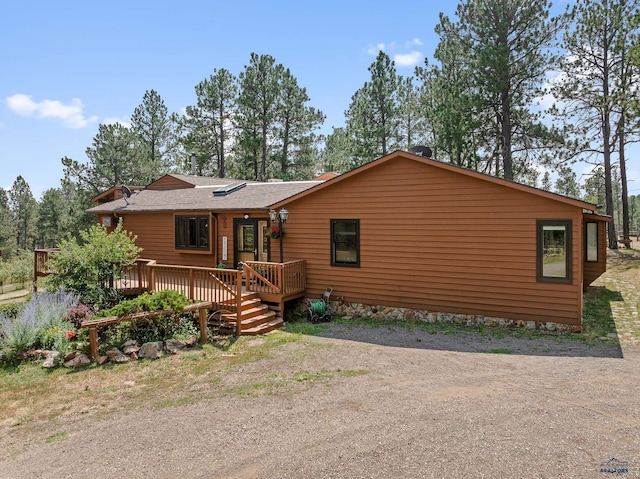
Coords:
239,293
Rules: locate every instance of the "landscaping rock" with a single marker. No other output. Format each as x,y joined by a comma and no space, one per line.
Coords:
34,354
103,359
69,356
51,359
117,356
77,361
151,350
130,346
173,346
191,341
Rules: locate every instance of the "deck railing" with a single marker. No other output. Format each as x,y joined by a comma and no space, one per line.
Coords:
40,266
276,279
221,287
274,282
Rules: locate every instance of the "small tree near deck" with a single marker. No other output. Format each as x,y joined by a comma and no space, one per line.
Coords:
90,268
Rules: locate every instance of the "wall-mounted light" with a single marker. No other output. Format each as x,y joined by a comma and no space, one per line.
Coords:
246,216
280,216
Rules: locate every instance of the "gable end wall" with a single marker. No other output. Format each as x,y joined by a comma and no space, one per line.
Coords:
436,240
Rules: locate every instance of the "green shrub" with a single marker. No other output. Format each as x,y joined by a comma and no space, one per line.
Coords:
91,267
143,330
11,310
77,315
20,268
154,301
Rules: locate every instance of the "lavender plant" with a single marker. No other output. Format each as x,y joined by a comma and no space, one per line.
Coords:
39,322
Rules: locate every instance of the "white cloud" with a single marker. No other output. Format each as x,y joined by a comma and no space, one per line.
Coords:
403,54
72,115
407,59
378,47
122,121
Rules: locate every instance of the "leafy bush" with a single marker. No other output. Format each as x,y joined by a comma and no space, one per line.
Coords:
77,315
11,310
143,330
91,267
4,274
20,268
37,324
154,301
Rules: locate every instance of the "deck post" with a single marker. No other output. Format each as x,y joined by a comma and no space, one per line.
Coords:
35,271
238,303
139,268
152,278
93,341
202,319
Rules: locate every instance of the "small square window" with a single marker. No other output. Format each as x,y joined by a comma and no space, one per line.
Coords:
192,232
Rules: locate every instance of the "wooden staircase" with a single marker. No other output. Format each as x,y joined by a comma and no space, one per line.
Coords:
256,318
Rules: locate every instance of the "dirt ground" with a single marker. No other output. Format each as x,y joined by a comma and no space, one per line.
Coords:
373,403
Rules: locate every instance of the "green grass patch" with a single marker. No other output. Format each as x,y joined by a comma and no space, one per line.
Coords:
597,316
58,436
501,351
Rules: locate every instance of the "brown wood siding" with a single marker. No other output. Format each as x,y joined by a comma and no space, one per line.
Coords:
155,232
593,269
169,183
437,240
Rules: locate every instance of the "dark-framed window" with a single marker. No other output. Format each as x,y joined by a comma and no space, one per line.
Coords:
553,239
591,239
192,232
345,242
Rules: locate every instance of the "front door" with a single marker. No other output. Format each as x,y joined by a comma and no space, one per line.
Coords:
251,243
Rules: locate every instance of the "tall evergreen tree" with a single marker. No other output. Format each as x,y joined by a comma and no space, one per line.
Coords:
450,101
24,210
113,160
373,115
258,104
209,123
296,123
7,227
52,218
413,127
509,43
593,85
335,156
155,137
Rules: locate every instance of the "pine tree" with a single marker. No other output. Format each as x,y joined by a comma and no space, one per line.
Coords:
24,209
209,123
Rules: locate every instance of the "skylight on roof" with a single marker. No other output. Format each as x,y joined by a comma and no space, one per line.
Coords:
230,188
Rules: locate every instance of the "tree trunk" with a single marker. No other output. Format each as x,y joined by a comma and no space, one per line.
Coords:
623,180
507,161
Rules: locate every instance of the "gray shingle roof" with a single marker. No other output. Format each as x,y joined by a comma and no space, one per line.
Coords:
252,196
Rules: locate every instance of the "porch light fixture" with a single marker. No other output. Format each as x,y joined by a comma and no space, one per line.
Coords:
281,217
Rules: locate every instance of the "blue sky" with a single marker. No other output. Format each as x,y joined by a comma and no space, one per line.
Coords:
68,66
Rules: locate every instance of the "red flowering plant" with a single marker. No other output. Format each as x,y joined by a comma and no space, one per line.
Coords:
274,232
69,334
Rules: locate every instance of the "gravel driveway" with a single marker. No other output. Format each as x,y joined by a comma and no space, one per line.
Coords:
393,403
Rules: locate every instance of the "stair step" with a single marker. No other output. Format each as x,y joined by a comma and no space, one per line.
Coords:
264,327
255,316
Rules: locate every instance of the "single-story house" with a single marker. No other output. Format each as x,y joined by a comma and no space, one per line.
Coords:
403,231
